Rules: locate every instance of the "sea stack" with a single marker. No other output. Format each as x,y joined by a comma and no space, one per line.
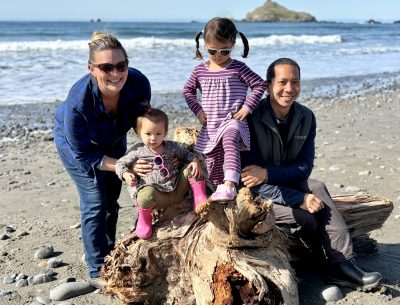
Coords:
271,11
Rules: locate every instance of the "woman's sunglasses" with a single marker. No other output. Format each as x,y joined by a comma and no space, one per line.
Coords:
159,161
108,68
223,52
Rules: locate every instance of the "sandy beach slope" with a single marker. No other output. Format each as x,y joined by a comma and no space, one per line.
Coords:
358,145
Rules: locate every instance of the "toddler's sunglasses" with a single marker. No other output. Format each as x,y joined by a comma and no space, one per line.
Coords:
159,161
108,68
223,52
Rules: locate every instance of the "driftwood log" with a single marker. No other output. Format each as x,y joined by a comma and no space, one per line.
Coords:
226,253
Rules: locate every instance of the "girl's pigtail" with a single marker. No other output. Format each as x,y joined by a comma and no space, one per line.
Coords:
245,44
198,53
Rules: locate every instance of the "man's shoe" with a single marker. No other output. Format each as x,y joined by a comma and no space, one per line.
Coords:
347,274
97,282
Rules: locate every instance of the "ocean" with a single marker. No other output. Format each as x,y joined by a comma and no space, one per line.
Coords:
40,61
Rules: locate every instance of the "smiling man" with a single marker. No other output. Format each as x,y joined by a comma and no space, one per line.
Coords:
278,168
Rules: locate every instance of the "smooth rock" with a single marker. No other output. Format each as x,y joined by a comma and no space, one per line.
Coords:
43,299
44,252
9,229
69,290
75,226
334,168
22,283
4,293
8,280
67,280
364,173
42,264
41,278
4,237
54,262
65,303
3,253
36,303
21,233
352,189
331,293
20,276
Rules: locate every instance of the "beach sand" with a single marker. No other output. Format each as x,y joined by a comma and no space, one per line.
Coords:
358,145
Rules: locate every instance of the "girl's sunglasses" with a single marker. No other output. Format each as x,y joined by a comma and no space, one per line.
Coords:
108,68
159,161
223,52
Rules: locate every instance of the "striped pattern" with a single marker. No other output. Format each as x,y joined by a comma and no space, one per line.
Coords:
223,92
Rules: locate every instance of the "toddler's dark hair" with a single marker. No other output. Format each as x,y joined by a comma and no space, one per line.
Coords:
155,115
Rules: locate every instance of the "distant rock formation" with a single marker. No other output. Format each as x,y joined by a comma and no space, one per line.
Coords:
373,21
273,12
397,22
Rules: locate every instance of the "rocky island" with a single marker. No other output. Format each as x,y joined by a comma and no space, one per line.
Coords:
271,11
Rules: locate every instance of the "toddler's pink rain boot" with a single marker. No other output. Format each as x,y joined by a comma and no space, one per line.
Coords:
199,191
144,226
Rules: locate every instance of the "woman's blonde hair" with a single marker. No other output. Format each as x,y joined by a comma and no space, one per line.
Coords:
101,41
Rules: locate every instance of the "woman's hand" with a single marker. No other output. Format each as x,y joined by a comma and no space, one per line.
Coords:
129,178
195,169
142,167
253,175
202,118
241,114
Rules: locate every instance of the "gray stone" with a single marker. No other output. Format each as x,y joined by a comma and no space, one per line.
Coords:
364,173
9,229
69,290
331,293
44,252
4,237
54,262
4,293
22,283
41,278
20,276
8,280
42,299
3,253
352,189
65,303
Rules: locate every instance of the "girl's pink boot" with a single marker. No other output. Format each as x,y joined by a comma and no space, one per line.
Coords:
199,191
144,226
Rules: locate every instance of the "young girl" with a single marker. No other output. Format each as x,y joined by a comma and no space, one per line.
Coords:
164,185
223,83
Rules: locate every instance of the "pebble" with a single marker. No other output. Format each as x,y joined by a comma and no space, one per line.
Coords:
4,237
21,233
41,278
75,226
9,229
69,290
398,198
66,303
364,173
20,276
3,293
36,303
352,189
8,280
378,177
43,299
331,293
22,283
42,264
54,262
396,216
3,253
338,185
67,280
44,252
334,168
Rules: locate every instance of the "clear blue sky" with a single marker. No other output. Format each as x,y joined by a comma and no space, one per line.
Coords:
184,10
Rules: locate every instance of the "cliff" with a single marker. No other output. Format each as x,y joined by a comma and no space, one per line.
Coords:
273,12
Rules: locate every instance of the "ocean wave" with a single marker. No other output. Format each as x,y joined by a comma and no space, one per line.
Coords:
154,42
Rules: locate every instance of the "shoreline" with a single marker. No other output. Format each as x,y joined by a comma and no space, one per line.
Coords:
357,145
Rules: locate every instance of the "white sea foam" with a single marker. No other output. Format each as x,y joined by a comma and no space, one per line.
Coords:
153,42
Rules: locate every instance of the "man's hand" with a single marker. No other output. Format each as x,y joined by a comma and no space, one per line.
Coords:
129,178
241,114
253,175
312,203
202,118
